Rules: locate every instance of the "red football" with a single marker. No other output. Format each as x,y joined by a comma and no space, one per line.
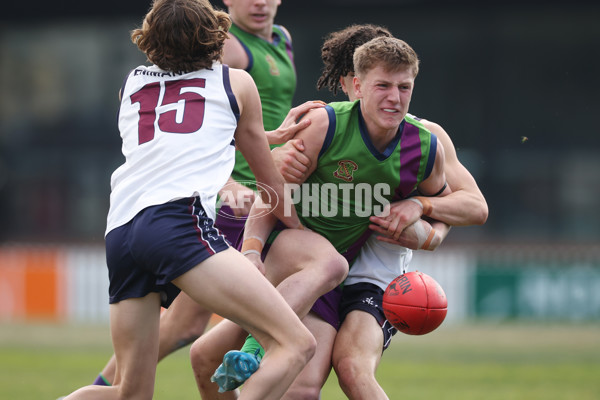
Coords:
415,303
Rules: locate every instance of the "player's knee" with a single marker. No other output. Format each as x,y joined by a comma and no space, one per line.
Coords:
185,330
303,392
309,347
203,363
333,271
140,391
348,370
303,346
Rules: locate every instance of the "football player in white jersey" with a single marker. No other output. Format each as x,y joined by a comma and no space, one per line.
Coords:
180,120
185,320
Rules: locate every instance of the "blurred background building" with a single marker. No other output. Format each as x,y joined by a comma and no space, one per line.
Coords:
515,83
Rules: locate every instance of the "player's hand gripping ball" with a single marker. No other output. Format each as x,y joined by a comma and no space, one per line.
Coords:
415,303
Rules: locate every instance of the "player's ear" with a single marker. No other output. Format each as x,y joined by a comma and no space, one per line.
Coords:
343,85
357,87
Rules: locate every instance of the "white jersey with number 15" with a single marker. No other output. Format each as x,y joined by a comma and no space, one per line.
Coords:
177,132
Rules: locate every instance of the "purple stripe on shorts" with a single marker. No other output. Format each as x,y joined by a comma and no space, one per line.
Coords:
229,225
327,307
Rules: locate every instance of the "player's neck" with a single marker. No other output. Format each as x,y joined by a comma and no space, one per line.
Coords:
265,32
382,139
380,136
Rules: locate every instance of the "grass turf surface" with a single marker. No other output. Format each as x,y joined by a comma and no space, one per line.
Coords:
479,361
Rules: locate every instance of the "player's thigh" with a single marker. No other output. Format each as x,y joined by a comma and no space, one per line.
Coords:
360,338
229,285
294,250
184,317
134,330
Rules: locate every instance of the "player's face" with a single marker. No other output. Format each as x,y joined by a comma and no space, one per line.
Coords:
254,16
385,97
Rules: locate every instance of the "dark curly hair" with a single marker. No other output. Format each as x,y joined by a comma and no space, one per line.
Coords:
338,49
182,35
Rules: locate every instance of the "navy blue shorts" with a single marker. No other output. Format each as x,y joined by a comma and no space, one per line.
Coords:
367,297
158,245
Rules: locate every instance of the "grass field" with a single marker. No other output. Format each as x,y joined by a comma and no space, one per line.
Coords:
482,361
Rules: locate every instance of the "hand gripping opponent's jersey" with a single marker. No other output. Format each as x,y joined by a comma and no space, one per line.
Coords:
353,180
271,65
177,132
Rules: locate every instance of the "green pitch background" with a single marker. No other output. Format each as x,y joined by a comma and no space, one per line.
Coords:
482,361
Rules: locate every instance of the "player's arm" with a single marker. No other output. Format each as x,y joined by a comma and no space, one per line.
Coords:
436,184
422,235
258,227
305,146
465,205
238,197
396,217
252,142
234,54
260,223
293,122
291,161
